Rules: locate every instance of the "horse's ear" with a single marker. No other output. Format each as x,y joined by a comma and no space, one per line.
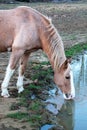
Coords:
64,65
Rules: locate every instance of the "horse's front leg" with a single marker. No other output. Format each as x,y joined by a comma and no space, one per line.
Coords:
22,67
15,56
4,85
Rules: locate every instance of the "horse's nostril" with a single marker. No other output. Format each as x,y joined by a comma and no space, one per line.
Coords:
67,95
71,96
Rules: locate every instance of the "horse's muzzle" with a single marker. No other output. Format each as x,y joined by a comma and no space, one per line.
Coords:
68,96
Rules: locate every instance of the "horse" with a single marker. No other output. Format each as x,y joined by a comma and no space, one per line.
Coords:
24,30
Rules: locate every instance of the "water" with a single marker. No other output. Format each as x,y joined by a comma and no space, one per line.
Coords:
80,74
73,114
55,102
46,127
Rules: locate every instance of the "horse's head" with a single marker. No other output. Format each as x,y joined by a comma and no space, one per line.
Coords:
63,77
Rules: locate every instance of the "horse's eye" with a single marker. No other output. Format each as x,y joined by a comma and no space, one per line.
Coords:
67,77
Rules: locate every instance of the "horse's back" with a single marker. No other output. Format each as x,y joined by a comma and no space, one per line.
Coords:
23,20
22,15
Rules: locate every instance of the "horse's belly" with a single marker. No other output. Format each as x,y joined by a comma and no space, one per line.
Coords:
5,42
4,45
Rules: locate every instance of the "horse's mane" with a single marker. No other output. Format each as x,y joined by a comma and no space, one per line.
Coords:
56,47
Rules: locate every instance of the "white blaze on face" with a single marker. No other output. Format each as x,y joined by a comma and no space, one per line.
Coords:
72,85
71,95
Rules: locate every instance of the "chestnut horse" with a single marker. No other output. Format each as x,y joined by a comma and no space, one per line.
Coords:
24,30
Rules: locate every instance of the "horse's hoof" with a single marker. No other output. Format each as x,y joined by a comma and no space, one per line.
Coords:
20,89
4,92
6,95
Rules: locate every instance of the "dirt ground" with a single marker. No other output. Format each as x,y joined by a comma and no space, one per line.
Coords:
71,21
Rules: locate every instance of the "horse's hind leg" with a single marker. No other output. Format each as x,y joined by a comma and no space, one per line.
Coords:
22,67
15,56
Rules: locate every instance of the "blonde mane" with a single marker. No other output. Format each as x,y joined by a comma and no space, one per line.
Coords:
56,47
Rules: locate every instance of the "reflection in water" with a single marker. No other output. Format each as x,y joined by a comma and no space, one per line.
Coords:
73,115
80,78
66,116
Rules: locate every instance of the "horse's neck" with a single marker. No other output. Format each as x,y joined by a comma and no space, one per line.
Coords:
53,47
59,54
